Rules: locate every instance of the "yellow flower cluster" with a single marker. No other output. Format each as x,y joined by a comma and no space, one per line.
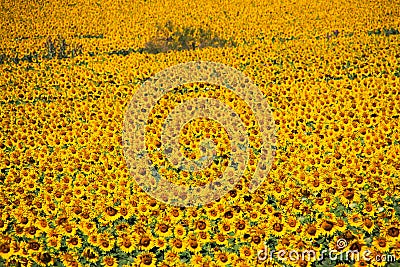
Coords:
329,71
193,132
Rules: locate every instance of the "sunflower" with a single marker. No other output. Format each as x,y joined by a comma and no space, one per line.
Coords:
196,259
369,209
207,260
321,204
355,220
277,228
74,242
163,230
111,214
31,185
241,227
3,224
109,261
78,191
254,216
126,244
90,254
241,263
316,184
87,227
125,211
349,195
368,224
340,225
381,244
245,252
34,247
231,215
292,222
93,239
161,264
19,230
177,245
146,259
161,243
312,231
204,236
68,259
143,209
391,232
326,226
222,258
146,242
42,225
106,243
202,225
18,248
212,213
171,258
68,229
378,259
44,259
303,263
192,244
225,226
54,242
358,263
5,251
221,239
179,230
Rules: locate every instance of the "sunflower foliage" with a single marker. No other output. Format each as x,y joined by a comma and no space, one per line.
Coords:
173,38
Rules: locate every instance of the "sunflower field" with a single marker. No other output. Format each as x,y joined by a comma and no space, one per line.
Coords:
329,70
